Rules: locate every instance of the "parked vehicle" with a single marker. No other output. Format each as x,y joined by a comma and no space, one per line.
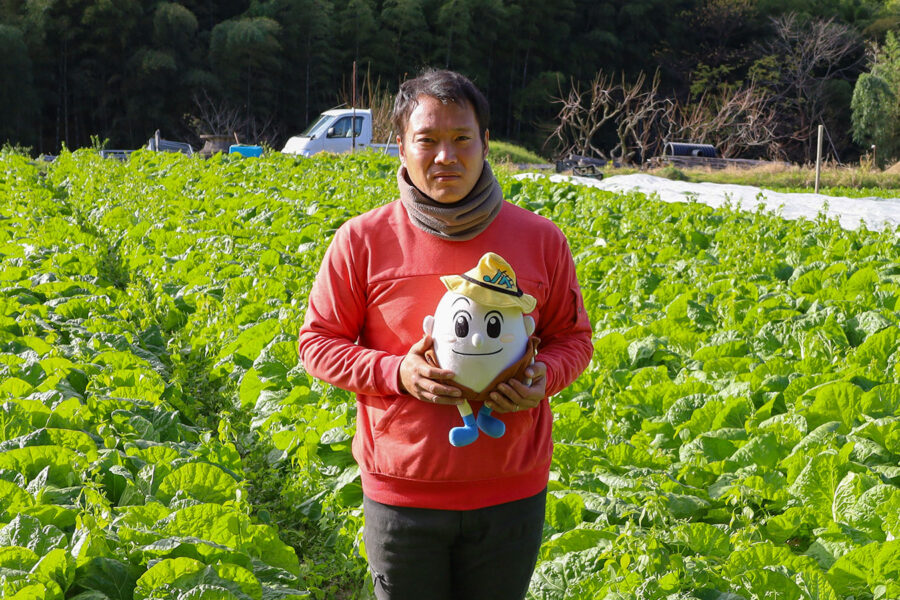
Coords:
332,132
158,144
155,143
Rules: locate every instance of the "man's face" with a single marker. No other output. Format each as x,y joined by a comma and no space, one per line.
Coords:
442,150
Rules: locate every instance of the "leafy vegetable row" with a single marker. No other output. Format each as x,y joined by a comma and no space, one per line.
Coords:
737,433
110,487
735,437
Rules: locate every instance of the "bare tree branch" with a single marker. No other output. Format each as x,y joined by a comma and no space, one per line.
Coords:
583,114
812,53
212,117
637,123
736,121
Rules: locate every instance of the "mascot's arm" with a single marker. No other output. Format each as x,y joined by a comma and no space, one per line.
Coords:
513,389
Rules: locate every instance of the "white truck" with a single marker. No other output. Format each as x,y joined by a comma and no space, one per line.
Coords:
332,132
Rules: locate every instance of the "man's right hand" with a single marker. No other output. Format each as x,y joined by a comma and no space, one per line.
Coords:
423,381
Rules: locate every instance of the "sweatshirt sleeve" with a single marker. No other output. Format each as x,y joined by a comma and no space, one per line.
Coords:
335,315
565,330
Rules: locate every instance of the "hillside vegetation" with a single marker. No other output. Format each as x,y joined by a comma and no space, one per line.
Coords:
266,68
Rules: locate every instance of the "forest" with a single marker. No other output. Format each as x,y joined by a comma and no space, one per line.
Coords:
111,72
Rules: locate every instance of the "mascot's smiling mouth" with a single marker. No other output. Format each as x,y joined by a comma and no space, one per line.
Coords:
477,353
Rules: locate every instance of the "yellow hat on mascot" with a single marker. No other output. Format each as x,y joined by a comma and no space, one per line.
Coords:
492,282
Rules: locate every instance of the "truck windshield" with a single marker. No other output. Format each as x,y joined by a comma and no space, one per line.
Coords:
317,127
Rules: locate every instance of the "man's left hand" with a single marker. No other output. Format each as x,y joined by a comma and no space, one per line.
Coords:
515,395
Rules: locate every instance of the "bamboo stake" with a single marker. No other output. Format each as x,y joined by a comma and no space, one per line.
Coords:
353,103
819,157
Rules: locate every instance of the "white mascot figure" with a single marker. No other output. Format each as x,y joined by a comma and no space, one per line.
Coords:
482,332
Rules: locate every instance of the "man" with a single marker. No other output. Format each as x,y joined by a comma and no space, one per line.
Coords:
443,522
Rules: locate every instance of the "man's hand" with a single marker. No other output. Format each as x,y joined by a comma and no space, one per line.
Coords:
424,381
515,395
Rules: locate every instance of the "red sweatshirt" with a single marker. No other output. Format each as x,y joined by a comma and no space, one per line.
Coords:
380,278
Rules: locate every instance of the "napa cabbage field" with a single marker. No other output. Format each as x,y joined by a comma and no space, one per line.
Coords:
735,437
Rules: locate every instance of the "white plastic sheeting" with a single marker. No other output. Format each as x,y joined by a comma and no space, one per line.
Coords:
876,213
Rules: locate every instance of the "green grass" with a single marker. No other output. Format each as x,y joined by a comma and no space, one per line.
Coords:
833,181
858,181
506,152
853,182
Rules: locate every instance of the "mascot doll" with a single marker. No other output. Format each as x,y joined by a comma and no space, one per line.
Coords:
482,333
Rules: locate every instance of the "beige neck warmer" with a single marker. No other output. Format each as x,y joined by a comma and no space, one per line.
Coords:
461,220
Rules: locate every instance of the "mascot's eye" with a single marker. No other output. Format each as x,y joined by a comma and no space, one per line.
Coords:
462,326
494,326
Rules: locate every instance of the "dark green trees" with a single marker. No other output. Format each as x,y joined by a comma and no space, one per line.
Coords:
18,97
121,69
876,104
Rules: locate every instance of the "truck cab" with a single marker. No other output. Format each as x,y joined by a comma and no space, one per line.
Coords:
333,131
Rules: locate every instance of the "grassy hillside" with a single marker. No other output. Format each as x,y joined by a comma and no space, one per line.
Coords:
506,152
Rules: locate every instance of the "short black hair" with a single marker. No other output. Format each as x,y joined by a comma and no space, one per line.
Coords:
446,86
